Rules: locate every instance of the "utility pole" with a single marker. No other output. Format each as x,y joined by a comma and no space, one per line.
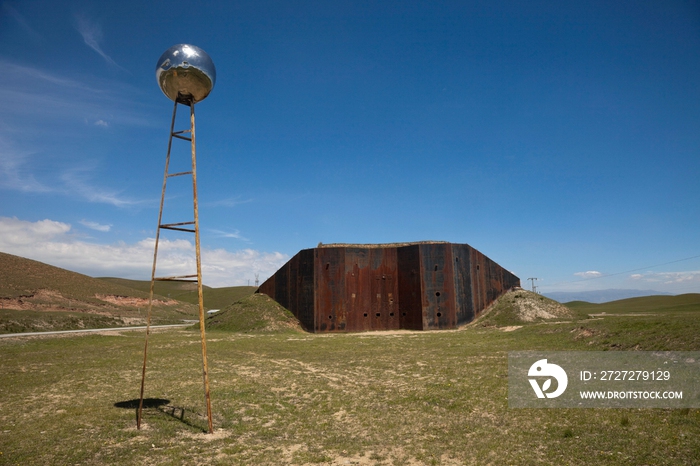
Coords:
533,284
257,279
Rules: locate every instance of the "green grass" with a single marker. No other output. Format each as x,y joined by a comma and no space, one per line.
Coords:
12,321
298,398
648,304
255,313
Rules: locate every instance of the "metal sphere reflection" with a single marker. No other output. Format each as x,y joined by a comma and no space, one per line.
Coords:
185,73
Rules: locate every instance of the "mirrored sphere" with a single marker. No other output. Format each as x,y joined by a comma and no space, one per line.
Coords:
185,73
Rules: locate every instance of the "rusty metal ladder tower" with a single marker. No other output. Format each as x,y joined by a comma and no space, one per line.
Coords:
189,227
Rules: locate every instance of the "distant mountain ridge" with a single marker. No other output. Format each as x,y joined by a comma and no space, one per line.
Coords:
601,296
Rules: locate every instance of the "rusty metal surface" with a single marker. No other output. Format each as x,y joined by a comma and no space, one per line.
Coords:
409,285
357,286
419,286
464,303
292,286
438,298
304,309
383,292
330,289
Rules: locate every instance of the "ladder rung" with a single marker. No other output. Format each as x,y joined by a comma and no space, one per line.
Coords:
175,226
177,278
175,135
183,131
179,174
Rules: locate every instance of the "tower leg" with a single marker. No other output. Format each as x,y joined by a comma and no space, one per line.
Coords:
153,270
205,366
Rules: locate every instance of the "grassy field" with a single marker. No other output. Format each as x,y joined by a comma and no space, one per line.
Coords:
290,397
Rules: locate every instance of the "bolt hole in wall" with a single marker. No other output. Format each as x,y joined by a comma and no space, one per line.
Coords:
439,314
437,293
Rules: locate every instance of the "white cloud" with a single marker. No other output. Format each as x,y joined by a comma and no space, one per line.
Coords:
96,226
102,123
51,242
589,274
669,278
22,233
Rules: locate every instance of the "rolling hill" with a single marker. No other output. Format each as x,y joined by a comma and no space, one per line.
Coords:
214,298
35,296
38,296
645,304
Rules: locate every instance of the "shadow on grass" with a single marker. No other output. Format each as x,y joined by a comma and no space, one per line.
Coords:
162,405
147,403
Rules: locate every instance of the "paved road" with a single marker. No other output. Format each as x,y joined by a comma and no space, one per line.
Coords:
87,330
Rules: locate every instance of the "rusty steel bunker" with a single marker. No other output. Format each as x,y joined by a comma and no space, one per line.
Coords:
363,287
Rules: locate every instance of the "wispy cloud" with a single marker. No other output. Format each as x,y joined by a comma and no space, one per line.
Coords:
15,172
589,274
51,242
48,98
228,202
228,234
96,226
92,35
13,13
39,109
77,180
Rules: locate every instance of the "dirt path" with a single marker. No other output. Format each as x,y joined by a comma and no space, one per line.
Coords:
87,330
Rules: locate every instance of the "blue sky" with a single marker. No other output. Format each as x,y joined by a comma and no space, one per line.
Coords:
561,139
